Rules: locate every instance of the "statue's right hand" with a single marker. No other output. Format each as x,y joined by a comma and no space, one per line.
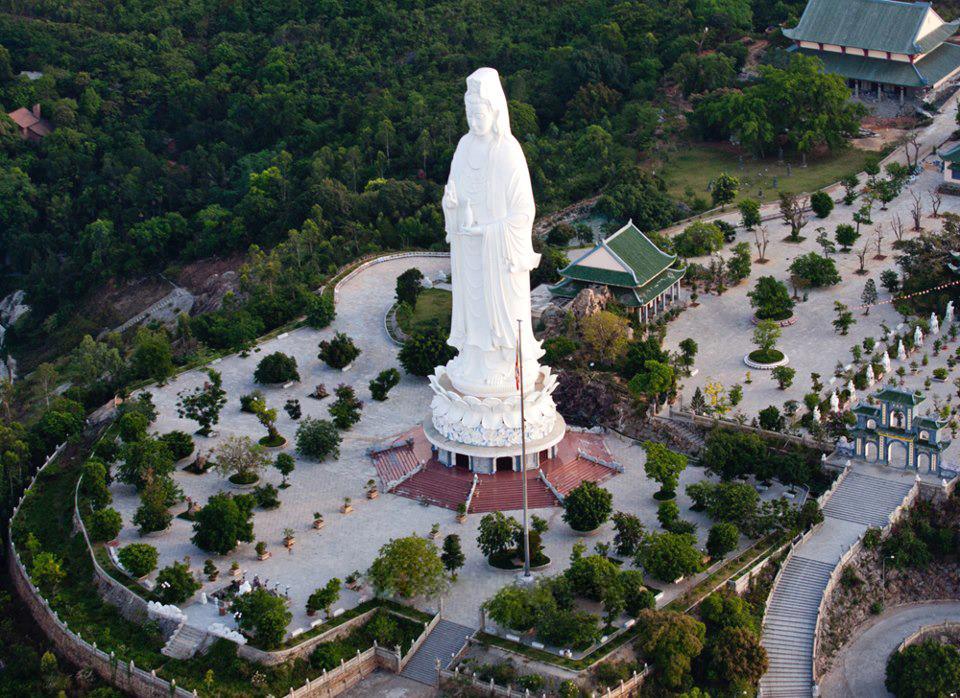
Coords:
449,196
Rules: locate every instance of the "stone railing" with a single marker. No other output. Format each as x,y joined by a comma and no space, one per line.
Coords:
947,627
455,678
613,465
473,491
794,544
380,260
125,676
415,645
553,490
131,606
710,422
822,499
895,516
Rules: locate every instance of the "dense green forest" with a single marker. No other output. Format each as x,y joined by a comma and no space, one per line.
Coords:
189,129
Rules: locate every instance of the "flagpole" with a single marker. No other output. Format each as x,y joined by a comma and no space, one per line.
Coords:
523,456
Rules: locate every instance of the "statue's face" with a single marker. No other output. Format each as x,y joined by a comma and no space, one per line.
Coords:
480,117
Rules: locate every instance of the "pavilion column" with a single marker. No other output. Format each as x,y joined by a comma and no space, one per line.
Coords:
879,91
856,88
901,95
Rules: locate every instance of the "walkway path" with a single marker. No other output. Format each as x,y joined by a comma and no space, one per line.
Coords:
865,498
859,669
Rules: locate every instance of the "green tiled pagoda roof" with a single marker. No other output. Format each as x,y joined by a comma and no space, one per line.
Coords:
938,36
952,155
629,297
929,422
868,410
901,397
928,71
881,25
640,260
658,285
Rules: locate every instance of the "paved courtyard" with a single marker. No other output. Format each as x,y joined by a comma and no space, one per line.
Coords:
811,343
350,542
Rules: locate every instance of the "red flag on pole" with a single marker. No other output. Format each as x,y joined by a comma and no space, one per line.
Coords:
516,366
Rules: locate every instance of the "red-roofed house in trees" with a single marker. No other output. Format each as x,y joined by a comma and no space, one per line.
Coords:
32,126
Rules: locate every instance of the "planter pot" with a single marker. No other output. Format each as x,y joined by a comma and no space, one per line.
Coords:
461,518
277,447
318,524
311,613
236,572
265,556
765,367
373,494
587,534
433,536
346,508
288,542
241,486
782,323
213,577
222,610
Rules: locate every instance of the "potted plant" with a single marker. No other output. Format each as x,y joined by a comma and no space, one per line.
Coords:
262,552
940,374
288,538
347,506
211,570
317,520
434,532
372,492
353,580
462,512
235,569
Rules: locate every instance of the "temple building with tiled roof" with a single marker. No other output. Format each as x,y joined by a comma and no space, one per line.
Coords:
637,273
880,46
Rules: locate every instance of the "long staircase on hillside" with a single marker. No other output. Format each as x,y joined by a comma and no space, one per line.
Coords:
184,643
444,641
789,625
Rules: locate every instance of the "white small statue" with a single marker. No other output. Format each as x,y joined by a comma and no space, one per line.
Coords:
834,402
852,390
901,352
871,379
934,324
918,336
948,315
816,413
886,361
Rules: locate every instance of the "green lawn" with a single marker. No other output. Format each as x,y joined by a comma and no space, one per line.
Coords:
433,306
694,166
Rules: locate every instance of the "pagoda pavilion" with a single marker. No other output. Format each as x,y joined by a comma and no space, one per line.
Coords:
886,46
638,274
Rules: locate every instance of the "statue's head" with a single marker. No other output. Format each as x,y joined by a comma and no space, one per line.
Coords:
486,104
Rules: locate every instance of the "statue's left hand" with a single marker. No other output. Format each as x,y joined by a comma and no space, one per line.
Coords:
472,230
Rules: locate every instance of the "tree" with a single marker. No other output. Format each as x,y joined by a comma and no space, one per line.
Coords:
264,615
497,533
591,575
409,286
784,376
815,270
924,670
663,466
761,238
175,584
338,352
825,243
105,524
47,573
770,418
276,368
669,556
345,410
424,350
383,383
520,607
890,280
321,311
452,555
223,523
724,189
656,380
671,640
203,403
862,216
792,207
771,299
688,350
318,439
733,502
587,507
749,213
738,266
284,463
139,559
152,355
606,335
324,597
629,533
698,239
144,460
152,514
737,658
844,319
407,567
846,236
240,459
821,203
723,538
869,295
765,336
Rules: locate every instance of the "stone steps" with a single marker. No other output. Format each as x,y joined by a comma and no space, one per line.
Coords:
445,640
184,643
866,500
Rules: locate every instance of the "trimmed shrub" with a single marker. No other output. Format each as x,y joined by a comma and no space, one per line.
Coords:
139,559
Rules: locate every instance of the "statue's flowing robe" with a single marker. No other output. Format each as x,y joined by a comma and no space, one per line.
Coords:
491,272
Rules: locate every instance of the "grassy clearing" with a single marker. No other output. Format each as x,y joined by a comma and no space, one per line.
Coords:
690,169
434,306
